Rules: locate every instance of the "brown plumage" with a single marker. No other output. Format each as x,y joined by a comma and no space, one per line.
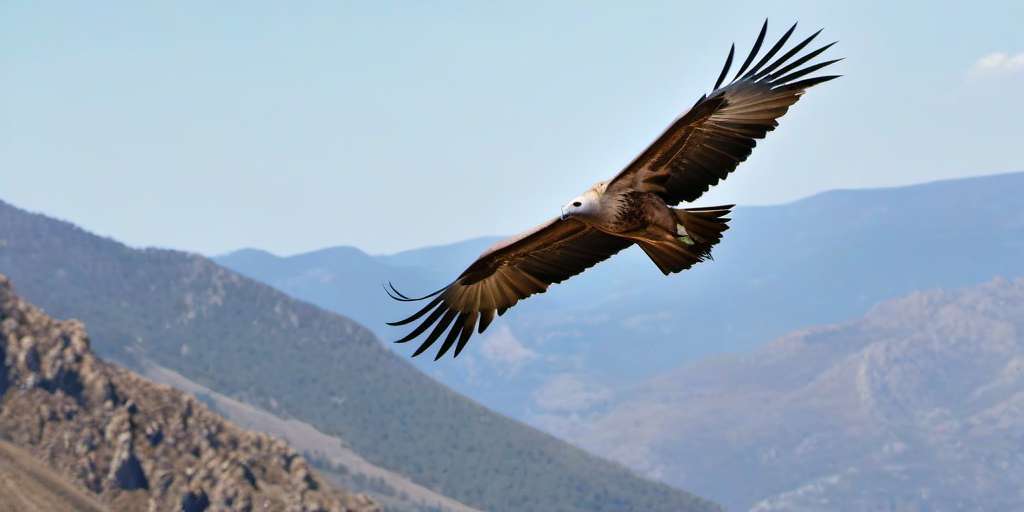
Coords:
698,150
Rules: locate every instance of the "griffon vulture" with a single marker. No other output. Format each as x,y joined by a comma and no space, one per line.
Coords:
636,206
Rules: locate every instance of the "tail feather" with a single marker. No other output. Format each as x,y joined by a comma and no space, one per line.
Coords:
670,257
704,225
699,230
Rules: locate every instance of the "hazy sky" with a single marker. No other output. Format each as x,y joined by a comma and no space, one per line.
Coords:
209,126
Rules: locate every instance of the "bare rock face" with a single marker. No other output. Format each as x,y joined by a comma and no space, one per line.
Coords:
135,444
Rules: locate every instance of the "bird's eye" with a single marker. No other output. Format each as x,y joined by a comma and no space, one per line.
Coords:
577,204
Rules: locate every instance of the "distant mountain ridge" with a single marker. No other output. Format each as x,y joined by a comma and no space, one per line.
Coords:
822,259
919,405
254,344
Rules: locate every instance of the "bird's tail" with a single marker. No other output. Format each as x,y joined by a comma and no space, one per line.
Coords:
698,230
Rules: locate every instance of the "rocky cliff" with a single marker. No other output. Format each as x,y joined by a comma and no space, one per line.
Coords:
134,444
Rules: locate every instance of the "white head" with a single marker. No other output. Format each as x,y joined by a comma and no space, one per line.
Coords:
585,205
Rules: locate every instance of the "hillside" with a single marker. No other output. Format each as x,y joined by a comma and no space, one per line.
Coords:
855,247
260,347
27,484
133,444
919,405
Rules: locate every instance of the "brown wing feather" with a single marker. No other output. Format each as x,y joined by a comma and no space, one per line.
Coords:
503,275
710,140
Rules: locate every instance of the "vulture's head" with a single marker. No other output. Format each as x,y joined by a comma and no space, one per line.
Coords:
585,205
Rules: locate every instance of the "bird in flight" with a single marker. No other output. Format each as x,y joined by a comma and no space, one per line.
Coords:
637,206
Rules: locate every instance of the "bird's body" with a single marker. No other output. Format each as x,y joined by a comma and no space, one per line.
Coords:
637,206
640,216
624,213
645,219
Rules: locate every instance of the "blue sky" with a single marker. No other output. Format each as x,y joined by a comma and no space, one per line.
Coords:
209,126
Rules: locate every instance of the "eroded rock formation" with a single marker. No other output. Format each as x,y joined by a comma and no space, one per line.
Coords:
135,444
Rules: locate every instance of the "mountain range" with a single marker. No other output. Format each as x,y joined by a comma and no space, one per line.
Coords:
823,259
901,400
284,363
918,405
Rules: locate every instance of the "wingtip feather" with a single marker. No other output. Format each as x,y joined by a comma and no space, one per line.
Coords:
754,49
442,324
725,69
771,52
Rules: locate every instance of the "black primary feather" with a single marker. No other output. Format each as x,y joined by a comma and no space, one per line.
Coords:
771,53
443,324
780,72
725,69
753,51
792,51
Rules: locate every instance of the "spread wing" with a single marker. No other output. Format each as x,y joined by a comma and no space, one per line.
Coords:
707,143
503,275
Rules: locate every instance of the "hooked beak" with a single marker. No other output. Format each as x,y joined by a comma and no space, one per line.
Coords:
562,217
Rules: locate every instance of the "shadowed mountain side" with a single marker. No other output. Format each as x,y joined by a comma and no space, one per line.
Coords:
255,344
917,406
823,259
133,444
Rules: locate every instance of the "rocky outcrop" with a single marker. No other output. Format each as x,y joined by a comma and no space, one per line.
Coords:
134,444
